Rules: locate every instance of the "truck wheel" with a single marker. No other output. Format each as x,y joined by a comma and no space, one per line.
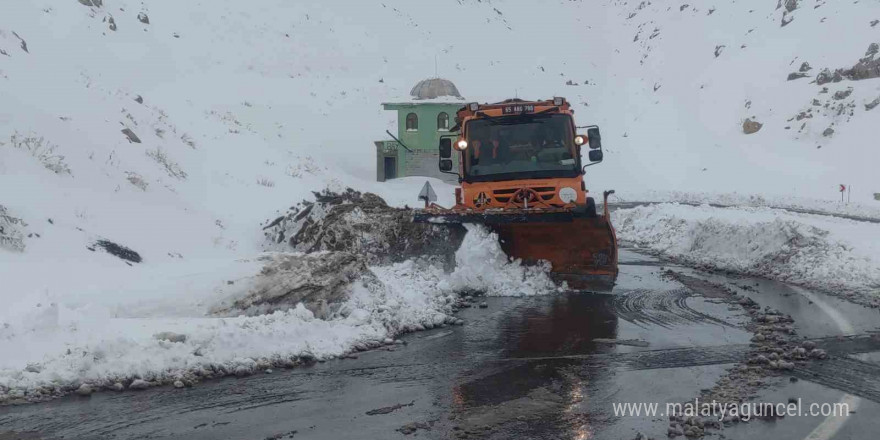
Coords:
591,208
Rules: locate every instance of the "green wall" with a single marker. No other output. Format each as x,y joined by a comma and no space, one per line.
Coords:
427,136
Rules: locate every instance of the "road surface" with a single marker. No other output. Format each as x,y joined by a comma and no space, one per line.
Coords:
548,367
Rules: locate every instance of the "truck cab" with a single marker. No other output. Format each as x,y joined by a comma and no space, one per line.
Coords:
520,154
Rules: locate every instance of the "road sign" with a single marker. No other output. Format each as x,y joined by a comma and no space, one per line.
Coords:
427,194
842,187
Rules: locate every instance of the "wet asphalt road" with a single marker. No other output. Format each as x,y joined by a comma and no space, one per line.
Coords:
536,367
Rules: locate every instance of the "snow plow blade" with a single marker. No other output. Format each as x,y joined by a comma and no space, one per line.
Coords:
497,217
582,250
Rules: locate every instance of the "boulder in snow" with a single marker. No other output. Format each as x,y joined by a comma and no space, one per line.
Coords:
131,136
751,127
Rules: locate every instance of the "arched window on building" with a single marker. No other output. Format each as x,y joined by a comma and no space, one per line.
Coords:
443,121
412,122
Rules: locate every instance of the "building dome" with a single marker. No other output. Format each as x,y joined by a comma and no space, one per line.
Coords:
434,88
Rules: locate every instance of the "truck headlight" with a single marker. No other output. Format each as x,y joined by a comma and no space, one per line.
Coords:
568,194
461,145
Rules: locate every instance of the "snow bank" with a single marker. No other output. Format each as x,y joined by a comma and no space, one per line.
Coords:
837,255
55,347
790,202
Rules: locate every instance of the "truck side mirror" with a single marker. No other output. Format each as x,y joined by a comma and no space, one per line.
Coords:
446,164
595,155
595,140
445,150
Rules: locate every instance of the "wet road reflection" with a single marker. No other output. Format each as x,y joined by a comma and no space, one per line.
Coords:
534,367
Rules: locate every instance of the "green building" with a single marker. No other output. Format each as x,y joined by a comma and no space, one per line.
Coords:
426,115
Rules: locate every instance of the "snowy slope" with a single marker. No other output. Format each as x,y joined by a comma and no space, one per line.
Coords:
241,109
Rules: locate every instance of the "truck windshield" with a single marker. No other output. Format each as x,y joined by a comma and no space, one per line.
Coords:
527,146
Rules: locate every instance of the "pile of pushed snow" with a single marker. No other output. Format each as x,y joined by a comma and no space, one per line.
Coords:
837,255
362,224
481,265
55,348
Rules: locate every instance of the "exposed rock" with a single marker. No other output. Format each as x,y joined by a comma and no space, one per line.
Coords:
117,387
22,43
117,250
112,23
750,126
867,68
143,18
719,49
805,67
791,5
877,195
131,136
796,75
828,132
11,233
870,106
139,99
178,384
842,94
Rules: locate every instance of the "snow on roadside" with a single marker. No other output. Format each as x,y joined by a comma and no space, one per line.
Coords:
790,202
837,255
57,347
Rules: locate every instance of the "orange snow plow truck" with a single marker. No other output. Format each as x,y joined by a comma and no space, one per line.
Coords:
521,174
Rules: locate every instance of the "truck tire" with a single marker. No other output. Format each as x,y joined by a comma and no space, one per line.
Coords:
591,208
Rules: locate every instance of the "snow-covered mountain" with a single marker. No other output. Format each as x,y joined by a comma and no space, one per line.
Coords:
177,128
